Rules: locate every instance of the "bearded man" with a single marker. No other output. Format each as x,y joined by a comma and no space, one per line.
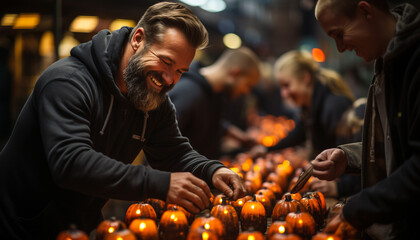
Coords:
88,118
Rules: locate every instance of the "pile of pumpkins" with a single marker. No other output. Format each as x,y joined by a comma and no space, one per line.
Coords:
268,212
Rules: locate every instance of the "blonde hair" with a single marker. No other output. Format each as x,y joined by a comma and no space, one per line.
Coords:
301,62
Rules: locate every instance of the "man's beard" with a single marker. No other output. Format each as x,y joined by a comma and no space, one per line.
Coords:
138,93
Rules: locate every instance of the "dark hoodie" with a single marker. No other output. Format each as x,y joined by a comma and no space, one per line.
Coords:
73,143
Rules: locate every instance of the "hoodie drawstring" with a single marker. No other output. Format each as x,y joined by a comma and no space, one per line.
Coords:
107,115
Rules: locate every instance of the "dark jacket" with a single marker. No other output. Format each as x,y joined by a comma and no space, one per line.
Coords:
394,199
319,122
199,112
67,156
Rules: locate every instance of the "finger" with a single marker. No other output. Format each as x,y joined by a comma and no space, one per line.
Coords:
203,200
238,188
322,165
223,187
324,175
202,184
189,206
192,197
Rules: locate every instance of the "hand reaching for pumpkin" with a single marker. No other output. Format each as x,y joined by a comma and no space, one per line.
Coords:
329,164
188,191
224,178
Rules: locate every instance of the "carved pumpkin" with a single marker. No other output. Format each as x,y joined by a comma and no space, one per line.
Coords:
267,199
285,206
201,233
325,236
227,215
144,229
274,187
276,227
158,205
239,203
301,223
188,215
72,233
124,234
279,236
251,234
139,210
109,226
208,222
173,225
253,215
313,207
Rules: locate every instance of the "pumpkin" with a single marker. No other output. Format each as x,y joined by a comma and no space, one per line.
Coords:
227,215
296,196
201,233
239,203
336,209
218,199
109,226
173,225
274,187
301,223
72,234
314,208
279,236
190,216
276,227
138,210
144,229
321,199
285,206
250,234
158,205
347,231
208,222
124,234
267,199
325,236
253,215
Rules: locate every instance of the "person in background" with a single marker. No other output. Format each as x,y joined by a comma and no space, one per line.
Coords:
322,96
389,155
201,95
88,117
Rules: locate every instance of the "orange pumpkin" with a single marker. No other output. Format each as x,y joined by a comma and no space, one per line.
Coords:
227,215
190,216
158,205
139,210
276,227
285,206
201,233
124,234
267,199
173,225
296,196
301,223
279,236
251,234
321,199
313,207
208,222
72,234
325,236
274,187
144,229
239,203
218,199
253,215
109,226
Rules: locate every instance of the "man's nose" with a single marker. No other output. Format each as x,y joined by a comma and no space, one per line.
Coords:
169,78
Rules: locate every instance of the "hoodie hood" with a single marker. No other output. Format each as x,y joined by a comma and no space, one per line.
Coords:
102,56
407,30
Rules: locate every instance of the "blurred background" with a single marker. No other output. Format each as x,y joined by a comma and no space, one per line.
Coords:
35,33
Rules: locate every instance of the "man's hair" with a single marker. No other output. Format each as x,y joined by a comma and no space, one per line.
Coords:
348,7
243,58
164,15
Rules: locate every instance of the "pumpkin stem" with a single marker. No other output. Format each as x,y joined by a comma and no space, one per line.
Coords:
254,197
288,197
298,209
223,201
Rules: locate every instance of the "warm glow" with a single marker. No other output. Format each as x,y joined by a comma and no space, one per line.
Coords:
268,141
172,216
138,211
282,229
247,164
251,238
252,206
8,20
111,230
240,202
257,168
119,23
27,21
142,226
225,212
84,24
232,41
263,199
300,221
205,236
318,55
120,238
207,226
46,45
220,200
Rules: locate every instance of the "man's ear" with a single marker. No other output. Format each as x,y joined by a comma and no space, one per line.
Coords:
137,38
366,9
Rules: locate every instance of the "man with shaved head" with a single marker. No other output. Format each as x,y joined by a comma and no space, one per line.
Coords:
388,157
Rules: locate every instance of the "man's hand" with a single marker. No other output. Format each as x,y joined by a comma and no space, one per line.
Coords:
188,191
329,164
328,188
225,179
